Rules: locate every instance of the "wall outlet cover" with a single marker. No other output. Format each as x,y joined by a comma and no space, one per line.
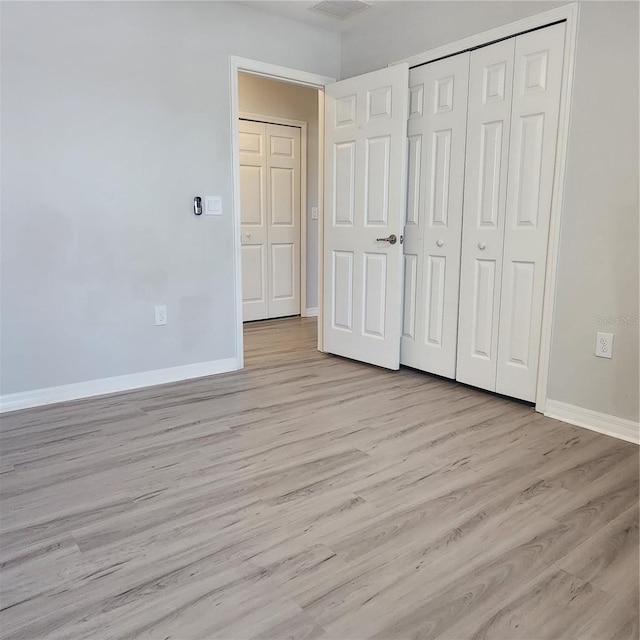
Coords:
160,313
604,345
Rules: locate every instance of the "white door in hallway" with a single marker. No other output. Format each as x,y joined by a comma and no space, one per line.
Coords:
433,225
365,178
485,193
270,219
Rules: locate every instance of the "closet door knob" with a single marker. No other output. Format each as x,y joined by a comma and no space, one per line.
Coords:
439,242
482,246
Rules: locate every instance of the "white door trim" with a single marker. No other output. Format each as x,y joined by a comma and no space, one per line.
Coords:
302,125
569,13
257,67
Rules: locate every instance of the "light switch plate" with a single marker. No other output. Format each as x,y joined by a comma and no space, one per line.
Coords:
212,206
314,213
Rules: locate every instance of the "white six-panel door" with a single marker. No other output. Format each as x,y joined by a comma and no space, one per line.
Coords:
485,191
365,175
433,225
270,218
534,129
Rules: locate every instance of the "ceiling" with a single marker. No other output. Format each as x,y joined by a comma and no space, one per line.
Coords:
299,10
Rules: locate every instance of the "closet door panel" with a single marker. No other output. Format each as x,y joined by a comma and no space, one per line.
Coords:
283,196
252,144
437,129
534,126
485,193
412,247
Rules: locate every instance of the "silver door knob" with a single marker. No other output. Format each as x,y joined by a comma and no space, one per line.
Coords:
482,246
247,235
391,239
440,242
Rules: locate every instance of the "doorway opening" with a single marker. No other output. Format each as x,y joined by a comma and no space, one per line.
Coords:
277,127
278,164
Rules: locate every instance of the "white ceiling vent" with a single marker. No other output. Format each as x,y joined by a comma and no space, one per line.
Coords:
340,9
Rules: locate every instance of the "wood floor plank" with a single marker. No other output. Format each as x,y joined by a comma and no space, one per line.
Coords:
309,496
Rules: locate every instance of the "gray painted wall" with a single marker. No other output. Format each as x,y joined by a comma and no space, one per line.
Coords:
114,115
598,270
268,97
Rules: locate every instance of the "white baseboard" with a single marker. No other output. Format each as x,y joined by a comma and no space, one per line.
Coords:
601,422
311,312
64,393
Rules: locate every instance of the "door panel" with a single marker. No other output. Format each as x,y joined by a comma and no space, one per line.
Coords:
485,191
413,181
489,169
376,203
282,196
253,218
374,289
254,266
270,216
365,154
483,319
342,291
283,165
410,285
436,270
536,100
282,261
344,179
437,129
252,194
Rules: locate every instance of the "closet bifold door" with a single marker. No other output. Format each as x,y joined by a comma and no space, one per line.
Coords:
283,207
253,220
485,192
270,219
433,223
534,129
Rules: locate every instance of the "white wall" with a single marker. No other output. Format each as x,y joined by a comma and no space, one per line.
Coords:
598,270
267,97
114,115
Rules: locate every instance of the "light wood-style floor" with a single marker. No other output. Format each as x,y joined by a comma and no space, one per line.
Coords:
313,497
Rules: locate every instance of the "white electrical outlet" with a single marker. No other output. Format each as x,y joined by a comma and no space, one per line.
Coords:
604,345
161,315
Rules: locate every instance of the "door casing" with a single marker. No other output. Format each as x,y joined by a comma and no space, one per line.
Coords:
295,76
